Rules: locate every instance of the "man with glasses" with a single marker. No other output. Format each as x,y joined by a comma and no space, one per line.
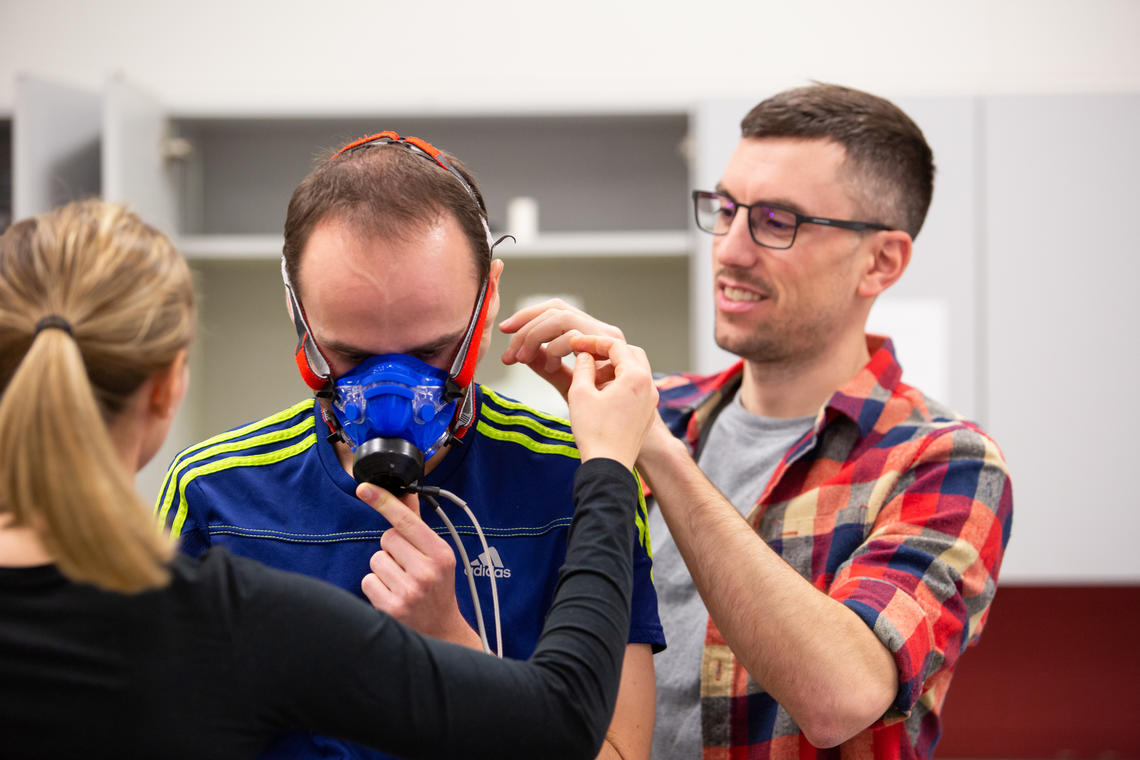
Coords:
392,287
838,547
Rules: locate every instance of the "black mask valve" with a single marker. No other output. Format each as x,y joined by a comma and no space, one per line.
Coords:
393,464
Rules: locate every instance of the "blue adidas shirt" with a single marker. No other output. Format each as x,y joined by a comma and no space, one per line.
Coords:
274,490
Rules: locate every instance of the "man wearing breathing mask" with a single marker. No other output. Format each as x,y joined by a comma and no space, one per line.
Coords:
392,288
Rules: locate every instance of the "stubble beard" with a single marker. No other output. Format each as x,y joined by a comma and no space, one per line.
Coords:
777,344
783,340
761,346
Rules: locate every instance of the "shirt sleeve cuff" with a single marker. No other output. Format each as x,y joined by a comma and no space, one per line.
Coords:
900,623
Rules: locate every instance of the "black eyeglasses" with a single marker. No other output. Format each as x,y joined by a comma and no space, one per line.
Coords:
770,226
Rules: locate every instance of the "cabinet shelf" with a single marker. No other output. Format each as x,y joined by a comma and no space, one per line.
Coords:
553,245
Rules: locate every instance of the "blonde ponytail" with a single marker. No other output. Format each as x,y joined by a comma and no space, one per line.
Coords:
126,296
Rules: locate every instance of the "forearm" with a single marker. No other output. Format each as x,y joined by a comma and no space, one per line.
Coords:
366,678
630,734
610,751
467,637
810,652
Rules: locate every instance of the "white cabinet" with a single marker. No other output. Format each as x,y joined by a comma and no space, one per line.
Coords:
1061,267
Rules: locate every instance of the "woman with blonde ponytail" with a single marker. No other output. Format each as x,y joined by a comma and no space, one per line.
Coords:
114,645
97,316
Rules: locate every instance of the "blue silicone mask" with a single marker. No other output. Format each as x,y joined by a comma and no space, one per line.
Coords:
394,396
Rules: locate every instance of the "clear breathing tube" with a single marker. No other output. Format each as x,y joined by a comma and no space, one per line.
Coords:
429,493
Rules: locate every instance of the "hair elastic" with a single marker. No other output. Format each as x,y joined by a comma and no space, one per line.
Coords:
54,321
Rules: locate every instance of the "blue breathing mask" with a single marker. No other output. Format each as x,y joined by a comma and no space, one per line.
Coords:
395,396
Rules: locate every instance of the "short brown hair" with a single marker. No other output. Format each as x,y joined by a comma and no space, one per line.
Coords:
890,166
384,189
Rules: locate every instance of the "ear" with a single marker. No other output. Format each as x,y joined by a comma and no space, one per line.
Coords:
492,305
889,257
289,308
169,387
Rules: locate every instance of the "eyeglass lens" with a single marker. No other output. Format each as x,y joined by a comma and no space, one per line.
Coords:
770,226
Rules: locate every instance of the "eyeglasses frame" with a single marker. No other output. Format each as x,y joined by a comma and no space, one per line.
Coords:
800,219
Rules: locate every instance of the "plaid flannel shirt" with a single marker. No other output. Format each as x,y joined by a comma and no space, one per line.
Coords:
892,505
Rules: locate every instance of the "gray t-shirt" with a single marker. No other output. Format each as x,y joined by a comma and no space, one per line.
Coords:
739,456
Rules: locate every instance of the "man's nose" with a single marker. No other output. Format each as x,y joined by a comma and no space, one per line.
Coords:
736,248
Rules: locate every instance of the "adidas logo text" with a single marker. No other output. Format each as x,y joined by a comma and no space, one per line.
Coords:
485,565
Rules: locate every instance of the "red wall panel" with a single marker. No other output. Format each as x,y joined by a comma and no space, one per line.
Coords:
1055,675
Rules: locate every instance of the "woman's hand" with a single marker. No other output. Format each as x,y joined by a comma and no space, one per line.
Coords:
541,336
610,413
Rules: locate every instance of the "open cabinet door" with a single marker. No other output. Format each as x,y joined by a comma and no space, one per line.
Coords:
55,145
141,170
136,168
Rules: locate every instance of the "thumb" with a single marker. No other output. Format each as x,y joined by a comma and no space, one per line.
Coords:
584,370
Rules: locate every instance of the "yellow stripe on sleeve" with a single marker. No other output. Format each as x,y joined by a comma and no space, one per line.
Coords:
526,441
252,460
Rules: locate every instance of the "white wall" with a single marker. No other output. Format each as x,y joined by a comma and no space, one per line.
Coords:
267,55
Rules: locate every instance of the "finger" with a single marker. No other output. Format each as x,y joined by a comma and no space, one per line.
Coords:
522,316
379,595
419,552
603,347
548,326
598,345
584,371
556,350
641,358
426,564
631,369
603,372
559,347
404,517
529,338
390,573
638,362
384,565
627,368
624,357
394,545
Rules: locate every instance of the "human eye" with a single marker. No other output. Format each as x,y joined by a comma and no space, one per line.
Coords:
350,359
427,357
772,226
774,219
438,356
725,206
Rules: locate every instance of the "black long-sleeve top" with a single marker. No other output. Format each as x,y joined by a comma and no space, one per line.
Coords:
232,653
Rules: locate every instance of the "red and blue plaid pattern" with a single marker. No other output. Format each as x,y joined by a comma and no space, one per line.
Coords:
894,506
